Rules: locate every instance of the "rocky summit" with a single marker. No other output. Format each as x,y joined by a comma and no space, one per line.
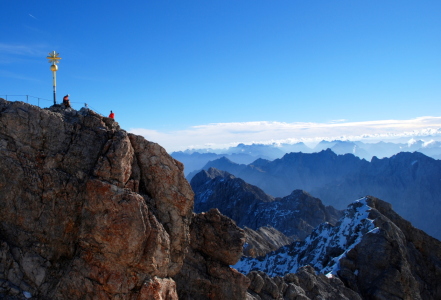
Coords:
87,211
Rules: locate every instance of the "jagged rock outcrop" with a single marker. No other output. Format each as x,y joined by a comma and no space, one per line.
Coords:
216,243
303,285
87,211
400,262
263,240
295,215
374,251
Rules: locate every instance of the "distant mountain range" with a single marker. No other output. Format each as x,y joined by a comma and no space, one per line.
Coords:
409,181
245,154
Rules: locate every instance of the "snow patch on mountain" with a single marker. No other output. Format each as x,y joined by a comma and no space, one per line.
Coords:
322,249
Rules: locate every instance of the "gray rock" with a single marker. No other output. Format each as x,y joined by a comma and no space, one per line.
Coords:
263,240
304,285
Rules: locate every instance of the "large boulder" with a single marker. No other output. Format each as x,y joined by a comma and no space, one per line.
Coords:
216,243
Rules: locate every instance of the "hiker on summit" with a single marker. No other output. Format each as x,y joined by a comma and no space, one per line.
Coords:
112,115
66,101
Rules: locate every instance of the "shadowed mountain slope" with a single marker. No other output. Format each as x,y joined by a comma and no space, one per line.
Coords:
295,215
409,181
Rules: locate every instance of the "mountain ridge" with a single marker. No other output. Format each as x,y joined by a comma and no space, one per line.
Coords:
294,215
387,258
195,159
409,181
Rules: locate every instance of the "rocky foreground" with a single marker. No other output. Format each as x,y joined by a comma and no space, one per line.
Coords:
89,211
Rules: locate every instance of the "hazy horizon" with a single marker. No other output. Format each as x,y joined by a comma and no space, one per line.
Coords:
224,135
197,73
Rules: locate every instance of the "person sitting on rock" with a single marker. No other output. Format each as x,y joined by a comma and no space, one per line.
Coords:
112,115
66,101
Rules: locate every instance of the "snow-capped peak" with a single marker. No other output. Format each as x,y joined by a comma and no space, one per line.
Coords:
322,249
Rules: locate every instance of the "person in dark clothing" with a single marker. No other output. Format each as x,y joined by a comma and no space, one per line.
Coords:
66,101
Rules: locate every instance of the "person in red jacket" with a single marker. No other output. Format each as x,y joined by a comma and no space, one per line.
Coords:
112,115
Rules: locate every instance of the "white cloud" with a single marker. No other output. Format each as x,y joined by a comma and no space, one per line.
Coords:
222,135
14,49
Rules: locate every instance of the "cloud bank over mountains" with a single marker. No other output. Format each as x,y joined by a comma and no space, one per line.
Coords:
224,135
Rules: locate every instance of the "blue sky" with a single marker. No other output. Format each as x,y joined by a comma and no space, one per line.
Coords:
211,73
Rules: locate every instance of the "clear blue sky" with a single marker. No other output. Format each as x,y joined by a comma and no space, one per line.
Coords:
166,66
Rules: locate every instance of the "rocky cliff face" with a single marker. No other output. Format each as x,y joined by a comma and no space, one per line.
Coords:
87,211
295,215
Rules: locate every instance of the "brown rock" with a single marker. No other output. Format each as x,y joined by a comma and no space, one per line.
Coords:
87,210
161,179
216,242
158,289
217,236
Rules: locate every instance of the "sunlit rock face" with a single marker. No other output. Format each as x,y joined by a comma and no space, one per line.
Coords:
87,211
